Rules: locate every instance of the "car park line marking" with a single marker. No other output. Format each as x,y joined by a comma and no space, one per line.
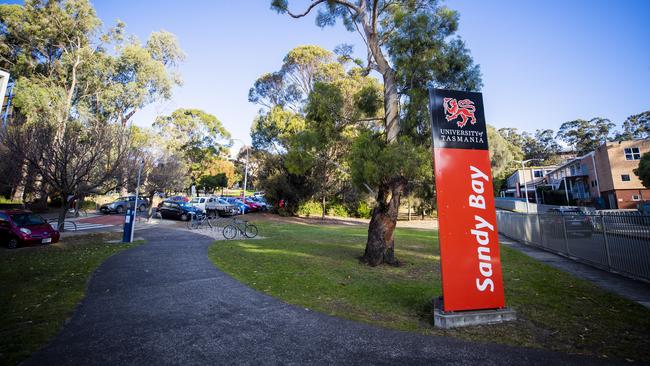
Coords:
82,225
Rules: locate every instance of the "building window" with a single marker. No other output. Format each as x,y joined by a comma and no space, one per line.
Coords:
636,197
632,153
537,174
625,177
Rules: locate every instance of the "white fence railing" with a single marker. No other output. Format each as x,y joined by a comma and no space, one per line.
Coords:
618,242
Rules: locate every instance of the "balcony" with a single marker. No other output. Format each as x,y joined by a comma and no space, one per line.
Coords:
580,195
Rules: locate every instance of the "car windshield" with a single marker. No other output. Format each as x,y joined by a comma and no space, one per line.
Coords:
27,219
195,200
184,204
223,202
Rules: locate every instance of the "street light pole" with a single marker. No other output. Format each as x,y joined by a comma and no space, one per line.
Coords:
245,177
135,206
245,173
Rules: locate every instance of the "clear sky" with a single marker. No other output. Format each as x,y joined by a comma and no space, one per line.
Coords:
543,62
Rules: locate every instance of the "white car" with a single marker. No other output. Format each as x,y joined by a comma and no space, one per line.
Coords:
214,206
199,202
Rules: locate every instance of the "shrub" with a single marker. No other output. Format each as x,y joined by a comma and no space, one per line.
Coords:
338,210
88,205
310,208
364,210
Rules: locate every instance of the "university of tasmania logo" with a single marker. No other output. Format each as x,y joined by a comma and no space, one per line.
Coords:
463,109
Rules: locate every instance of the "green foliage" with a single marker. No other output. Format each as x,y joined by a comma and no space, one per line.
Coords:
364,210
373,161
198,136
76,90
635,127
273,129
310,208
502,154
302,67
540,145
337,210
88,205
643,171
585,136
213,182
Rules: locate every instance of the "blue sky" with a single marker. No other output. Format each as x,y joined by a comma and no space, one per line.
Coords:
543,62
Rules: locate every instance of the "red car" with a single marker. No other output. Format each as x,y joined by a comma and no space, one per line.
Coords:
254,206
22,227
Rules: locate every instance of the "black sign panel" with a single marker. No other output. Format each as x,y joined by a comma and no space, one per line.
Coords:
458,120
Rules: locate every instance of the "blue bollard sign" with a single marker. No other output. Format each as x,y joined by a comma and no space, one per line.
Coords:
129,218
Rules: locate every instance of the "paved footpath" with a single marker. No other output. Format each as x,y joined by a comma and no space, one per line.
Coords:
164,303
632,289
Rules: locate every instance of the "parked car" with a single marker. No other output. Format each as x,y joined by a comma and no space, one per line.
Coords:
199,202
177,210
218,206
22,227
575,221
178,199
254,206
259,200
243,208
121,204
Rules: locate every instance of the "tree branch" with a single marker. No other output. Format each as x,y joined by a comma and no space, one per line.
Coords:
347,4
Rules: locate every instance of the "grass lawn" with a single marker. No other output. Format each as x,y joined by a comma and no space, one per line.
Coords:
316,266
40,287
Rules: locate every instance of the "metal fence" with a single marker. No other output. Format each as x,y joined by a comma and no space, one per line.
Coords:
615,241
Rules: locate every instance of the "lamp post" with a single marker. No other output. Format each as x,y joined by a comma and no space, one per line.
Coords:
245,173
523,169
135,207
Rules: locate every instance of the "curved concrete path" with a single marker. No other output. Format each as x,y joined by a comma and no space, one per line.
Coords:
164,303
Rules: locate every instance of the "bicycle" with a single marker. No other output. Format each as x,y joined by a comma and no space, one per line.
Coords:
198,220
241,227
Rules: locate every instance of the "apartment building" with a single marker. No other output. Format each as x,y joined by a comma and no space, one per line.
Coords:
615,163
604,177
526,179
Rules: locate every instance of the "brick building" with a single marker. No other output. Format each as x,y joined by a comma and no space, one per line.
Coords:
603,178
615,164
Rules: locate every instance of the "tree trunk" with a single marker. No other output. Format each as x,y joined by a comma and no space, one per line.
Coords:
19,190
65,204
150,210
391,106
323,206
380,247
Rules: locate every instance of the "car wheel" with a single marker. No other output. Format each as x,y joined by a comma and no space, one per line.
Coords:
119,209
142,208
184,217
12,243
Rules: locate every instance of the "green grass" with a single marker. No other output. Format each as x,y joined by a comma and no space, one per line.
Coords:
40,287
316,267
5,200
